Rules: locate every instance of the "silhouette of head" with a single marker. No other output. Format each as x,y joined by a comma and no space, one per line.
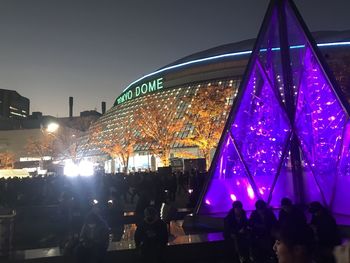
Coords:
286,202
315,207
294,243
237,204
151,214
260,205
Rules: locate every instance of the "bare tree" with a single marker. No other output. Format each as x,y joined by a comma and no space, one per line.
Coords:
66,143
61,144
40,147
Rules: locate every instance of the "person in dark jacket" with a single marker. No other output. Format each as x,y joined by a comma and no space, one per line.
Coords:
94,239
235,232
326,233
114,216
262,223
290,213
151,237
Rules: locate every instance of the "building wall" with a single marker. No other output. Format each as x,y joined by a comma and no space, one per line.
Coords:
13,105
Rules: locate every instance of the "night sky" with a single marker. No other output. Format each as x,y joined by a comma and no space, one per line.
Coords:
91,50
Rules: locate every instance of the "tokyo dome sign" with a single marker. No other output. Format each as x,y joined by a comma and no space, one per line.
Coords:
143,89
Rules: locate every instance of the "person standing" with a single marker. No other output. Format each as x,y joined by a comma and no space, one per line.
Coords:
94,240
151,237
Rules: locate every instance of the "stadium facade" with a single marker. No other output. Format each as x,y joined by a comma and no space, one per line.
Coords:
219,66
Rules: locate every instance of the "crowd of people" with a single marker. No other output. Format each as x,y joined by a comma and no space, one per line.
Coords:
54,189
290,238
92,208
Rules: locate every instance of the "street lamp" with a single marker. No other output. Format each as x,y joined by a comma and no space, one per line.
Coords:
52,127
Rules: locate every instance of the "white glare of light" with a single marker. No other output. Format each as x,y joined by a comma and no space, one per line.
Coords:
190,191
70,168
110,201
52,127
250,192
95,202
233,197
86,168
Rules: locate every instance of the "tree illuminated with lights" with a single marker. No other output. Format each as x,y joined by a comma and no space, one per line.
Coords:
121,144
7,160
157,124
205,117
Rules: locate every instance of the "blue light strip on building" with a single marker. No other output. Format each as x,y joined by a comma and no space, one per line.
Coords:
333,44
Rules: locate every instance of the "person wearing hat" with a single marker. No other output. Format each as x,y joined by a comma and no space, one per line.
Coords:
235,232
151,236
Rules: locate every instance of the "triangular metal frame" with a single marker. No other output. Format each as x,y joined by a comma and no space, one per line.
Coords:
290,104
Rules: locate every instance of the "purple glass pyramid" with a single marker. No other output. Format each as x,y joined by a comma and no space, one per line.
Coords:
289,111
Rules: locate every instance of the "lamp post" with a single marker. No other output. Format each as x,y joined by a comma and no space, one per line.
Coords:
49,134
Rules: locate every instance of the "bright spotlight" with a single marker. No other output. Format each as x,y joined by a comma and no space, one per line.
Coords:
70,169
86,168
95,202
52,127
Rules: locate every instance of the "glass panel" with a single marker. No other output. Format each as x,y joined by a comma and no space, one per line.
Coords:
228,183
261,130
270,56
312,191
342,193
320,121
297,43
284,185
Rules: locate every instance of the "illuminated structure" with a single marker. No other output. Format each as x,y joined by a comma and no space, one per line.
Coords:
219,66
288,134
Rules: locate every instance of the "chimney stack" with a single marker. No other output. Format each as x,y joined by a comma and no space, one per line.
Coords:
70,107
103,104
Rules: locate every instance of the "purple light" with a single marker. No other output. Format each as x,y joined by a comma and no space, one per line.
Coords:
254,158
